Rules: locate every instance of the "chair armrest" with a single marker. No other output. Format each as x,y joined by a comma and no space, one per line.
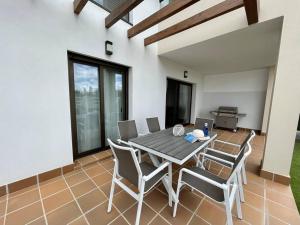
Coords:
126,143
155,172
221,152
206,179
123,142
216,158
228,143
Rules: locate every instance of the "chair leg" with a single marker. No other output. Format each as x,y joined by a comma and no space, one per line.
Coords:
244,173
177,194
238,205
140,204
209,163
140,156
240,185
228,208
112,189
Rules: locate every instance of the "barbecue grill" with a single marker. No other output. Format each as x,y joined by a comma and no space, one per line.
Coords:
227,117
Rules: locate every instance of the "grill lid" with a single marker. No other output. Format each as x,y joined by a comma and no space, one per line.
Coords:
228,109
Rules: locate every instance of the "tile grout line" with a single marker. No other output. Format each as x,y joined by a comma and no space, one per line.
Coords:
68,188
283,206
6,207
194,213
51,182
279,220
32,221
278,192
76,200
63,205
266,218
105,196
77,218
43,208
159,214
30,204
43,198
20,194
120,216
86,211
203,198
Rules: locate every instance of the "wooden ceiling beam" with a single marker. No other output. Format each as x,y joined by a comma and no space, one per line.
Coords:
251,11
119,12
164,13
78,5
202,17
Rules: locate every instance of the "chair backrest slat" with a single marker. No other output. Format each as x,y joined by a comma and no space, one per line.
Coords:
127,130
127,162
153,124
199,123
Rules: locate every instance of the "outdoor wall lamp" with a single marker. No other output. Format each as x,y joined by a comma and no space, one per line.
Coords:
185,74
108,48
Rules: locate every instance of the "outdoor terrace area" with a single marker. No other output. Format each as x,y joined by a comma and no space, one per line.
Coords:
81,197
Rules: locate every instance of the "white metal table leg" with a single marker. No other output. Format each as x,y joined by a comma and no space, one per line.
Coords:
170,174
165,180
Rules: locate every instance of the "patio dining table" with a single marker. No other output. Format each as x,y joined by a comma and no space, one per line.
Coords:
163,144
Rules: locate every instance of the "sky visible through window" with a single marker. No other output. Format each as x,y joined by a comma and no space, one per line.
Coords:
86,78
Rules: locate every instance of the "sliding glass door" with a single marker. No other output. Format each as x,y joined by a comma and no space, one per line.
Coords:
87,105
178,103
114,104
98,101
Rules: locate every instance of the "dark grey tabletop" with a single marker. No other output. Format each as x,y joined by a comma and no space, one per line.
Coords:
164,144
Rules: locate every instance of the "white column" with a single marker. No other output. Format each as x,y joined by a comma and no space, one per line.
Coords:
285,106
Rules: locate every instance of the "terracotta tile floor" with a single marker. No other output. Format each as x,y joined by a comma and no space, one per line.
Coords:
81,197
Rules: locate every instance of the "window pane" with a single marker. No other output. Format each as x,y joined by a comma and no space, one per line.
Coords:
184,105
87,107
114,104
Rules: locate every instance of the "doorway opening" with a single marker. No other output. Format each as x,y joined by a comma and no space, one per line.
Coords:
178,102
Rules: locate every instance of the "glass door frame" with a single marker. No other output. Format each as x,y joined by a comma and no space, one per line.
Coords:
177,102
85,60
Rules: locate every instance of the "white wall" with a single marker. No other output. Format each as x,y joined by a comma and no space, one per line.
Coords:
34,91
245,90
269,94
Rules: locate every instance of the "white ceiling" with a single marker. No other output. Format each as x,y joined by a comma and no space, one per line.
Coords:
254,47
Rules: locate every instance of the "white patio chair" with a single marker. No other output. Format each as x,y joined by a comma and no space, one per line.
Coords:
143,175
127,131
228,160
153,124
216,188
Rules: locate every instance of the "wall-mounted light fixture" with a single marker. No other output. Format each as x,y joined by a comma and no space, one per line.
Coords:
185,74
108,48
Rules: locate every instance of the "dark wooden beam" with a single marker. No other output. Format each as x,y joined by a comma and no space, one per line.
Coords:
120,11
202,17
78,5
251,11
164,13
